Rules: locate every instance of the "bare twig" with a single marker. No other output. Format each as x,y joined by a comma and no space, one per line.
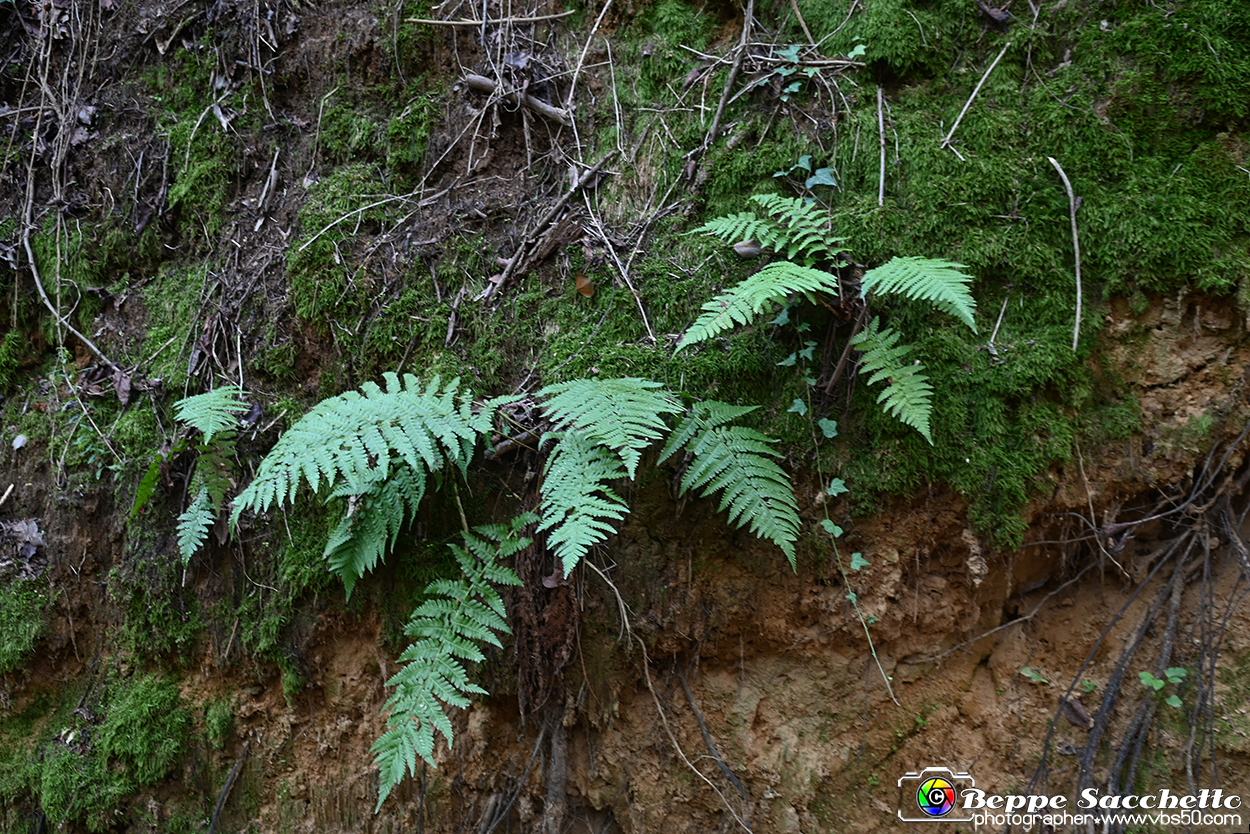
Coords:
881,132
493,22
707,737
515,261
794,5
968,103
1076,245
729,82
355,212
594,218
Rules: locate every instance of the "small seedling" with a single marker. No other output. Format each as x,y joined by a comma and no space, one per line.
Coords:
1088,686
1033,675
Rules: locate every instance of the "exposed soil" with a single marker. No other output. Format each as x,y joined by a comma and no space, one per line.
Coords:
694,637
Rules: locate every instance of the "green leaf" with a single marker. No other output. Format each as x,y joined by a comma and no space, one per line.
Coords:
194,523
908,394
1173,701
925,279
830,429
837,487
822,176
830,528
788,361
798,407
622,414
858,561
1176,673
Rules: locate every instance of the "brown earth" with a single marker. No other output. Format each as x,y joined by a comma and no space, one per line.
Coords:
795,702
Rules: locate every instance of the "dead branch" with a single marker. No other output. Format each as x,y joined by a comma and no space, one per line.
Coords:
1073,205
491,22
515,261
485,85
976,90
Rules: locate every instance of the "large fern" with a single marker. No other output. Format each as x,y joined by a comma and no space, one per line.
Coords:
797,229
625,414
908,396
352,440
578,504
764,290
737,461
925,279
376,512
458,615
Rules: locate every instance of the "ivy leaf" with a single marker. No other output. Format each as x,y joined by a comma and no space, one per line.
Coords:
783,318
806,352
858,562
788,361
831,528
799,407
1173,701
1176,673
823,176
830,428
852,597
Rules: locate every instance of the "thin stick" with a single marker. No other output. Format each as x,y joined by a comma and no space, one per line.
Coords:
968,103
729,82
1076,246
881,131
594,218
492,22
794,4
516,259
355,212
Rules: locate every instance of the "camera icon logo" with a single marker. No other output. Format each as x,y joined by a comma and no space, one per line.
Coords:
932,795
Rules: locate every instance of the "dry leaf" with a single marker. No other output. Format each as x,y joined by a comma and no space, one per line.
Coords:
585,286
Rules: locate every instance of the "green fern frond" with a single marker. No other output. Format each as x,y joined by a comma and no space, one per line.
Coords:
213,412
372,524
925,279
908,394
762,291
622,414
734,228
577,498
796,228
193,524
353,438
459,614
803,229
737,461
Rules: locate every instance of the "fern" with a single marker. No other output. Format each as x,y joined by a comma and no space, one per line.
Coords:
577,497
448,627
762,291
796,228
372,524
908,394
736,460
352,440
213,412
194,523
925,279
622,414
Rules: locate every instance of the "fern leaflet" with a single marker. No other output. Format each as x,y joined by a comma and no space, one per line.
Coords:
213,412
458,615
908,394
373,520
351,440
622,414
925,279
738,460
766,288
797,229
194,523
577,498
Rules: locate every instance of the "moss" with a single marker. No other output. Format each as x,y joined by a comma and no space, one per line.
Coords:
88,773
22,603
172,301
13,349
161,616
219,722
